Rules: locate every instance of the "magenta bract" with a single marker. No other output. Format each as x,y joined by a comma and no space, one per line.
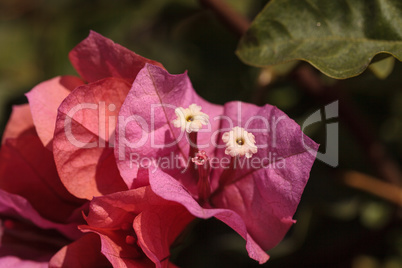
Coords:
257,199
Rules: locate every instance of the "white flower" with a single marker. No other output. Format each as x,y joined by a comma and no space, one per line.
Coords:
190,119
239,142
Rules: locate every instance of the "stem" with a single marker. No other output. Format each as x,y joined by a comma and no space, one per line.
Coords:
233,20
239,25
363,131
192,138
203,185
373,186
227,174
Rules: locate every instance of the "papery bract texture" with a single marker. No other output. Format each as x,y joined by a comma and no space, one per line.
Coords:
86,119
44,99
82,146
97,57
136,227
84,252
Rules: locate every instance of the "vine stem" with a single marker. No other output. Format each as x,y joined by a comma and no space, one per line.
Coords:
363,131
374,186
232,19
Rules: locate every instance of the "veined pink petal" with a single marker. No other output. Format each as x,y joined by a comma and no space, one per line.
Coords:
157,227
20,121
44,99
119,215
115,249
108,216
277,136
145,128
266,192
98,57
84,136
82,253
257,199
170,189
112,210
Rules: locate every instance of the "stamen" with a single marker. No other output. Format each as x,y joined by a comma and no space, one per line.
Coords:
190,119
239,142
192,139
228,174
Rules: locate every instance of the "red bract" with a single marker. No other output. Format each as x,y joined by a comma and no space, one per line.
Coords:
33,201
57,153
75,120
258,202
29,176
136,227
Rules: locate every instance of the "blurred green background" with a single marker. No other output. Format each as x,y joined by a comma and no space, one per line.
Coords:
337,226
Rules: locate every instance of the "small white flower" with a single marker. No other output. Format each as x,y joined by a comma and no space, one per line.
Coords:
190,119
239,142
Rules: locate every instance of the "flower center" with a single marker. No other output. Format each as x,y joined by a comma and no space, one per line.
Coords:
240,141
190,118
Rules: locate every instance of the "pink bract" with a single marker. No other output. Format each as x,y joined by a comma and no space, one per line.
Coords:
258,203
71,116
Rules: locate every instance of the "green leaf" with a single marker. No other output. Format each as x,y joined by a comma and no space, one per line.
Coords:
383,68
339,38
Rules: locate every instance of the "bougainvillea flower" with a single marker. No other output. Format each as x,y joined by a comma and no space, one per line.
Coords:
253,190
136,227
77,120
